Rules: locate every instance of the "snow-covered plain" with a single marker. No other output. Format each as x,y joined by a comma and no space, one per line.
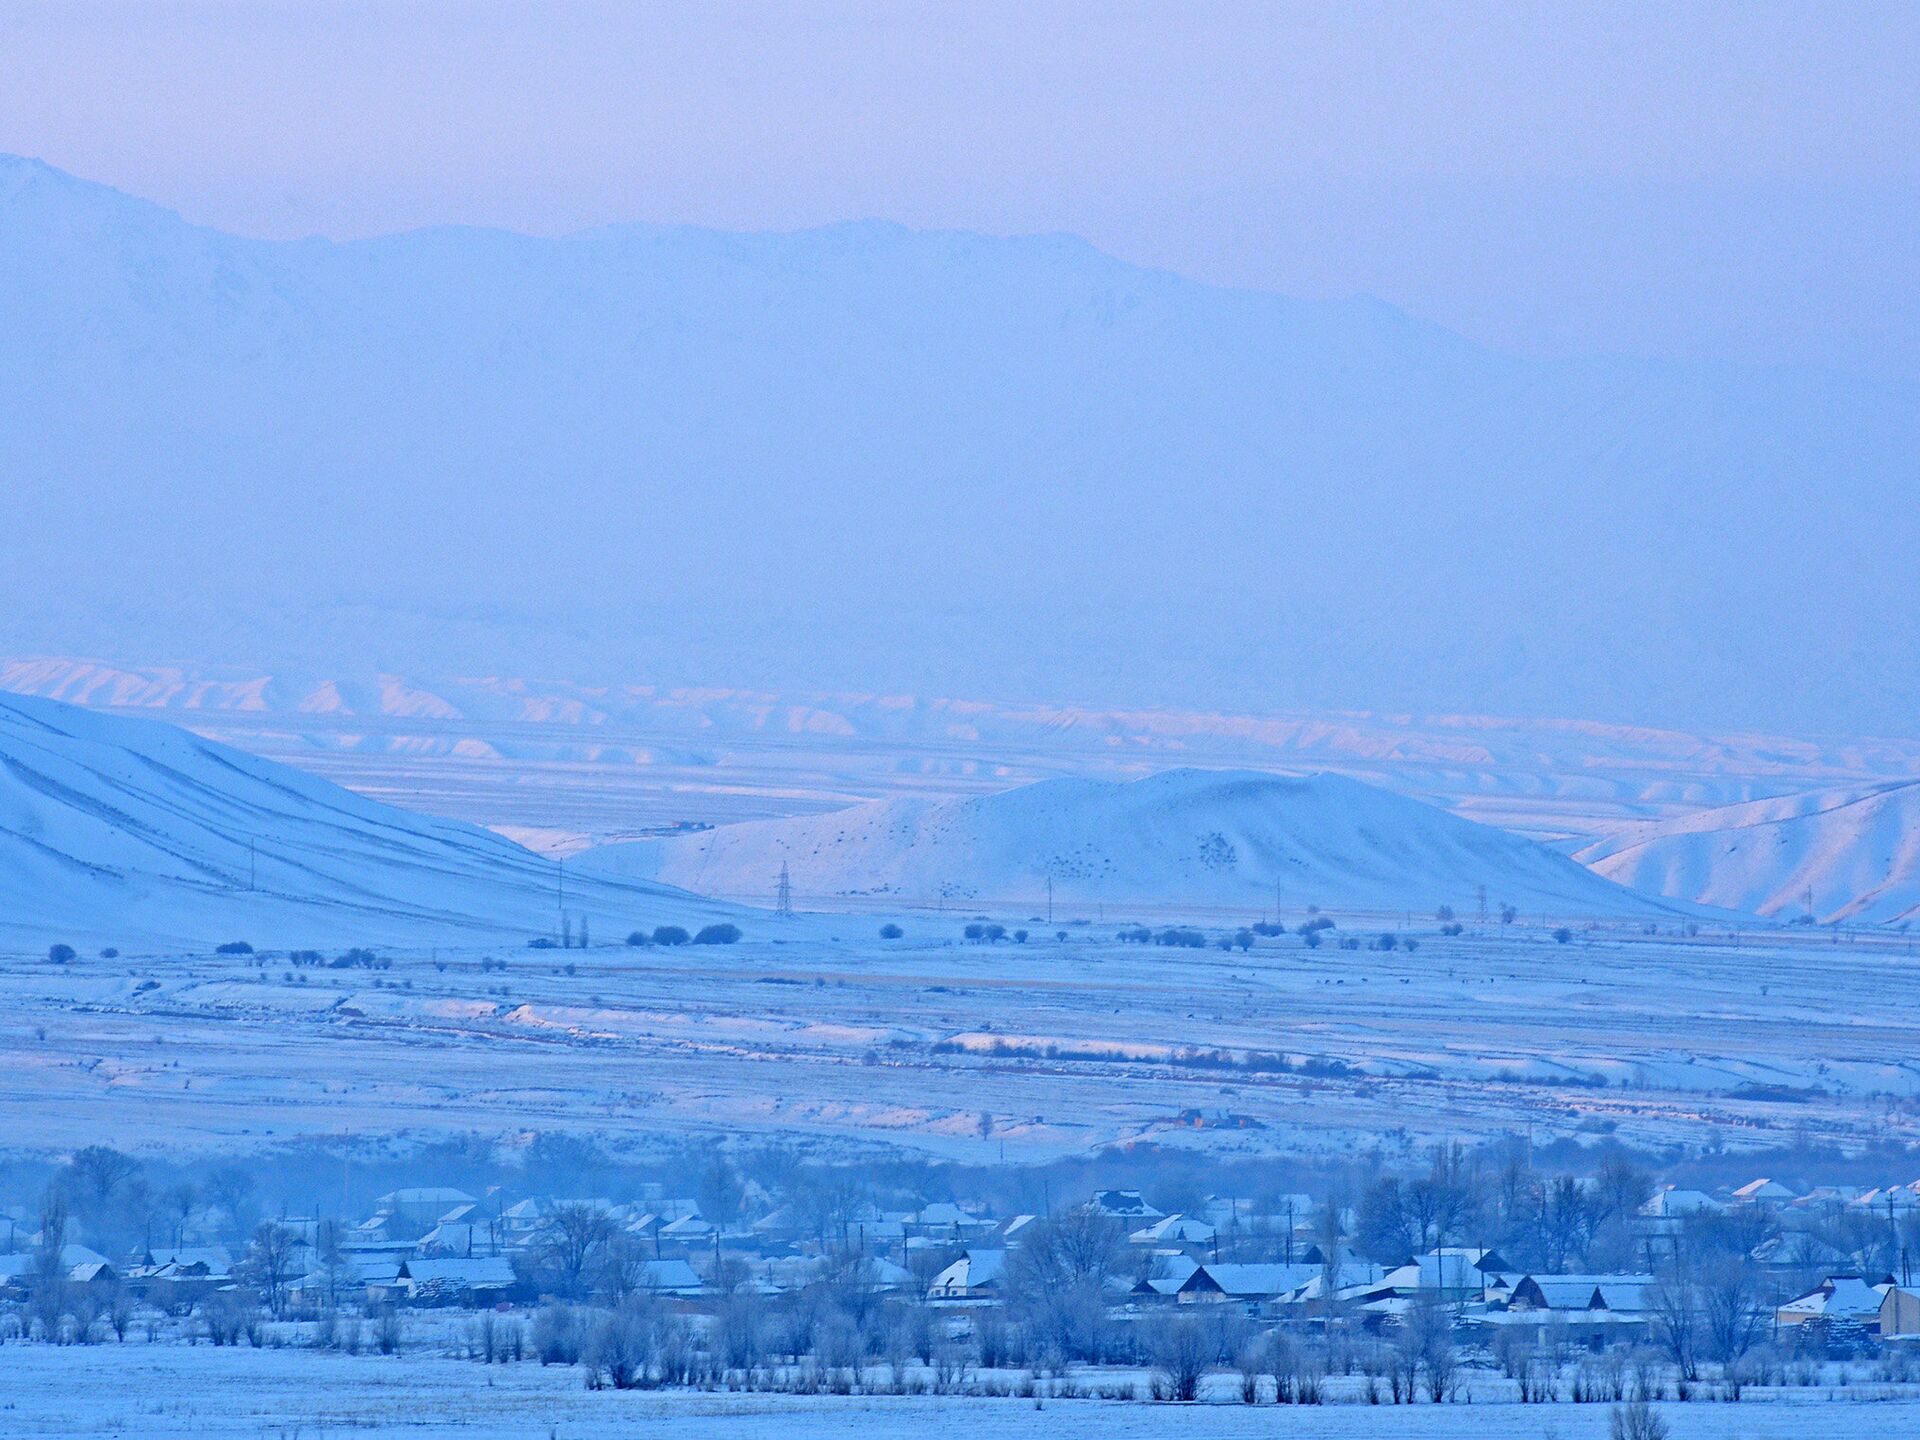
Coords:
176,1391
819,1031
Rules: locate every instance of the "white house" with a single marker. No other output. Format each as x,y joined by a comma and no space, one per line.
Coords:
976,1275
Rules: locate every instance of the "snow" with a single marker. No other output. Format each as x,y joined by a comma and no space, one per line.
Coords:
131,832
828,1036
175,1392
1855,852
1208,839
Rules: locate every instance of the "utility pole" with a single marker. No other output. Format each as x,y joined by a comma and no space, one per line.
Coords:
783,896
1049,899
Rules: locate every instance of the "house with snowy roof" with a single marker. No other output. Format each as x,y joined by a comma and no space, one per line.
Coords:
1174,1232
1838,1299
469,1280
422,1204
1452,1273
1677,1204
1125,1205
1764,1191
668,1277
976,1275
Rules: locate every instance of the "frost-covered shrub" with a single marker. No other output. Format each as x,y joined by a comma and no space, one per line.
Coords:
670,935
722,934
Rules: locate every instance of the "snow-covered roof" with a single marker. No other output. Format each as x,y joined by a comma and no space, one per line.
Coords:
1839,1297
1125,1205
426,1195
1671,1203
1264,1282
975,1270
473,1271
1174,1230
669,1277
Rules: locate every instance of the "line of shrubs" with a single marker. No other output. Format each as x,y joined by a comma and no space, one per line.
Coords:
721,934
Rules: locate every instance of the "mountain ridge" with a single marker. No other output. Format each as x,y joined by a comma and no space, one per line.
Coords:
869,457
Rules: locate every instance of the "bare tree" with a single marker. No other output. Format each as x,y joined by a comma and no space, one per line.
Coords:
1675,1307
572,1244
1733,1317
1181,1351
272,1260
1057,1280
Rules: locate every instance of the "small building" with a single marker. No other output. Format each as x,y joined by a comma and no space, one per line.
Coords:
1899,1313
1839,1299
473,1281
1127,1205
976,1275
668,1277
1174,1231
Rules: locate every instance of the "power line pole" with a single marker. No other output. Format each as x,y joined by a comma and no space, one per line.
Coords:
1049,899
783,897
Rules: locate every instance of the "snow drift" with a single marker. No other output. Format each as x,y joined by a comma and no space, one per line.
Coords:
135,832
1192,837
1853,853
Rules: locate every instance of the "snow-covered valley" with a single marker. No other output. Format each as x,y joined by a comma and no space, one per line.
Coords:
817,1028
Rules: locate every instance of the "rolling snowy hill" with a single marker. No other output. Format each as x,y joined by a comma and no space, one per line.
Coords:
864,456
132,832
1195,837
1853,853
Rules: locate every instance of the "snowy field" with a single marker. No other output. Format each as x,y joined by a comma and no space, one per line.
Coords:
169,1390
835,1036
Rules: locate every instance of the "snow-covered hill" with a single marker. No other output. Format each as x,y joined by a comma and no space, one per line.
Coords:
938,463
1194,837
131,832
1853,853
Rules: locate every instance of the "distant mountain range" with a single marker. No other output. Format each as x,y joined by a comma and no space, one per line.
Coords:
134,833
1199,838
1832,855
591,761
869,459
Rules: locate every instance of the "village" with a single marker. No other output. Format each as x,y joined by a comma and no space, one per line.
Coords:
1465,1282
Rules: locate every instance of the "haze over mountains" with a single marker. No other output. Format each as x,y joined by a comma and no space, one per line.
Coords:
1200,838
129,832
866,458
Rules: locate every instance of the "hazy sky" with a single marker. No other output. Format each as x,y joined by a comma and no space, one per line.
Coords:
1733,181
